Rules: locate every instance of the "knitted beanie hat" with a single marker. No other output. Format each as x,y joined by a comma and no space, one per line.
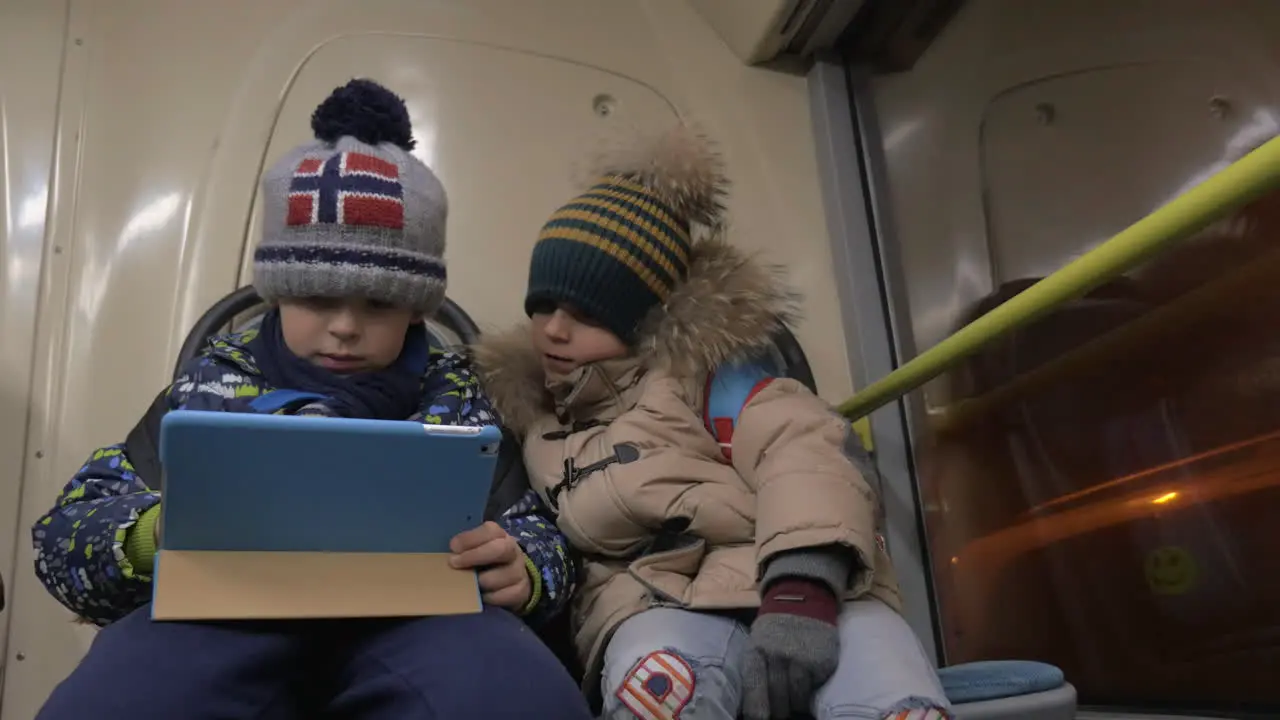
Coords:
618,250
353,214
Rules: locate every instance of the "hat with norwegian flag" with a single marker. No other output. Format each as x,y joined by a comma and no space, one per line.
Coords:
354,214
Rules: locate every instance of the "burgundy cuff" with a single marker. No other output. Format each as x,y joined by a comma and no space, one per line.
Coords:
799,596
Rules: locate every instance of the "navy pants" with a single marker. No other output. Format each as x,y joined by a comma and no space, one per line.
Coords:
488,665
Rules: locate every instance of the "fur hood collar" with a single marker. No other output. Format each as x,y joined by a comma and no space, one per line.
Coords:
731,302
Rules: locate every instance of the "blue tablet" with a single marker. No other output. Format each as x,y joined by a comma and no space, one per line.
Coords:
282,483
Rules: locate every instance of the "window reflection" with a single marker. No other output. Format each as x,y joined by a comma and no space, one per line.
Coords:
1104,491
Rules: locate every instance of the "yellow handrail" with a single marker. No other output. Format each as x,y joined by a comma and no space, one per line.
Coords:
1226,191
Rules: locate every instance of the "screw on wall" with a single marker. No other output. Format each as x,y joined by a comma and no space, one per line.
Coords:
1219,107
1046,113
604,104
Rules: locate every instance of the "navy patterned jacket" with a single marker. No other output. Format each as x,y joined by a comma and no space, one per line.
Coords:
84,555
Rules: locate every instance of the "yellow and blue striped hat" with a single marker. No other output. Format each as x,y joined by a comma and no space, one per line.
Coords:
620,249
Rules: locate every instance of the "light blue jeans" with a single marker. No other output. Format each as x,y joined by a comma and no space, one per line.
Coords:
668,663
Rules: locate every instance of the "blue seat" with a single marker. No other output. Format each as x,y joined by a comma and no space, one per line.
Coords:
1007,689
994,679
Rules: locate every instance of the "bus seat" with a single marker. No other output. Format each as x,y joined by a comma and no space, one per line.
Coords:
788,355
450,319
1007,689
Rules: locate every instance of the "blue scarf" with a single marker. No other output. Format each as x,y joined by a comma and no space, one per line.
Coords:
390,394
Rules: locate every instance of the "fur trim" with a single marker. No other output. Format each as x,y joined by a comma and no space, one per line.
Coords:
512,376
680,166
731,303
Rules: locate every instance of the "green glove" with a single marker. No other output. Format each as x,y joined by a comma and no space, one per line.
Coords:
142,539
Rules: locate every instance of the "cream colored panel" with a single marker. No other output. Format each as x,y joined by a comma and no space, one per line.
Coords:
1000,53
762,121
751,28
760,118
139,110
31,36
503,129
168,112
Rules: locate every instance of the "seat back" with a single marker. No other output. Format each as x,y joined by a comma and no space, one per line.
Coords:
791,358
450,327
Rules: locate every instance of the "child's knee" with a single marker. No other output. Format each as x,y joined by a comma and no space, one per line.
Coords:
670,683
884,672
667,663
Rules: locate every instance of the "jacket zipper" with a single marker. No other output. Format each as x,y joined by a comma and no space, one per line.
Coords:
623,453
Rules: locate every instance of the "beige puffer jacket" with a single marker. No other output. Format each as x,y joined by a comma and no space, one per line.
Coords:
619,449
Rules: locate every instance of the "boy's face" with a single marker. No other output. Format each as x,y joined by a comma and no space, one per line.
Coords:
567,340
345,335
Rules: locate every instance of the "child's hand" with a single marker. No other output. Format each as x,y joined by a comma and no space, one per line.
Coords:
504,579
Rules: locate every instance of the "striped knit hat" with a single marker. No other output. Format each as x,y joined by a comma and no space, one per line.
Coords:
353,214
618,250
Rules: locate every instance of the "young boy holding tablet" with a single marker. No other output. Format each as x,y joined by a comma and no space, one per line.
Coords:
351,259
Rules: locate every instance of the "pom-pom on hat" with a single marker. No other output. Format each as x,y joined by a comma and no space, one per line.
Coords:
618,250
354,214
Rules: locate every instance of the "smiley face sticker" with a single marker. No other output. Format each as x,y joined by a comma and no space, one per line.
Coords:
1171,570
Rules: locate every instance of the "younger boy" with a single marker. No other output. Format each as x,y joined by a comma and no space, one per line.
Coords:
738,573
352,260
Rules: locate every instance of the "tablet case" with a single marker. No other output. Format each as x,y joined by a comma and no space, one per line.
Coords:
280,516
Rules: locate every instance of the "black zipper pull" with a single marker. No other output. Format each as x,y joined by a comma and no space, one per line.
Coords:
623,453
567,480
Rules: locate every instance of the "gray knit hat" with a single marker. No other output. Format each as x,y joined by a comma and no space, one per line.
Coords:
353,214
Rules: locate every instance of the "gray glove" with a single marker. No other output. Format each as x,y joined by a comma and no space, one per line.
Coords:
794,647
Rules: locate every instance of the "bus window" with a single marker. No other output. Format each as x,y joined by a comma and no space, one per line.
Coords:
1102,486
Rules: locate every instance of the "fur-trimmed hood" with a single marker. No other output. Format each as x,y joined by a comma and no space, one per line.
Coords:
730,302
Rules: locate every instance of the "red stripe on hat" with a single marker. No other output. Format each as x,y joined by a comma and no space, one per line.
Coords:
310,166
301,209
359,162
370,211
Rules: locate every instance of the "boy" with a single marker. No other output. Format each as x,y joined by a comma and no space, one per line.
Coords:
743,575
351,259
